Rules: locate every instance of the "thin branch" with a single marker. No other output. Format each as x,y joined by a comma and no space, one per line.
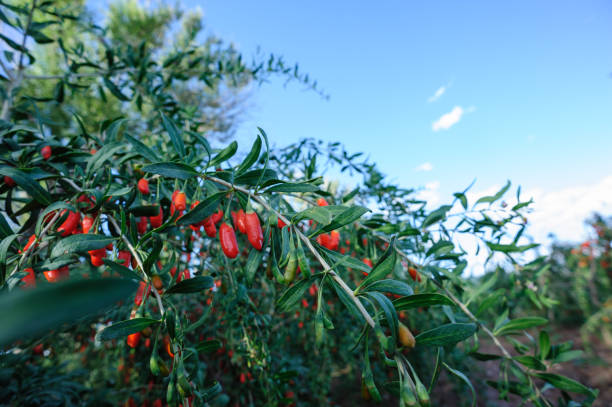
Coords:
308,243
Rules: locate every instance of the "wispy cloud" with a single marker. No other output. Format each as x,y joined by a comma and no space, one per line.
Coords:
447,120
437,95
424,167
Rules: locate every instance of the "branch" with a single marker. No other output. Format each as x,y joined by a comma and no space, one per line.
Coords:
6,106
130,248
308,243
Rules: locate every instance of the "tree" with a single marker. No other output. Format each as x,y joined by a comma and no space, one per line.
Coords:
188,273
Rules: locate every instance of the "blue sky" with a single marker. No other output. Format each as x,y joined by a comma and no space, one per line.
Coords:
481,90
531,79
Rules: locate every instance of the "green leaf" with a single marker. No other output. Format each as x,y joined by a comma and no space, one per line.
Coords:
544,345
31,186
519,324
346,300
350,195
292,295
293,187
567,384
436,215
174,133
441,247
191,285
202,210
346,261
171,170
367,376
4,246
224,155
384,266
465,379
391,286
125,328
251,158
389,311
349,215
36,311
317,213
444,335
251,178
144,210
115,90
209,346
103,154
142,149
462,198
510,248
493,198
124,271
567,356
252,264
530,361
5,229
80,243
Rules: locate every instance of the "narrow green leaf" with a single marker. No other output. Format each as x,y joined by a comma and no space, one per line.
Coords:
251,158
544,345
293,187
31,186
101,156
224,155
144,210
191,285
317,213
493,198
125,328
444,335
202,210
567,384
114,89
465,379
510,248
171,170
38,310
383,267
209,346
520,324
80,243
292,295
349,215
531,362
252,178
142,149
436,215
4,246
391,286
174,133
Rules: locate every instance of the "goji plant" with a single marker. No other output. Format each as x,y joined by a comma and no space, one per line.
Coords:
173,270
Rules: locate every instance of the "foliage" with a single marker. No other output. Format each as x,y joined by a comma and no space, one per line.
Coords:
347,282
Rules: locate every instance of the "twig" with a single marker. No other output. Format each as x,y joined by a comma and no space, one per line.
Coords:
308,243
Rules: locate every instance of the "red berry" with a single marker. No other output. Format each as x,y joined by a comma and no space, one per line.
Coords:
143,186
46,152
227,237
253,230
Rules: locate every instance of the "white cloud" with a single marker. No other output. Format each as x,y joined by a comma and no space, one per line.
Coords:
563,212
447,120
430,193
424,167
437,95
